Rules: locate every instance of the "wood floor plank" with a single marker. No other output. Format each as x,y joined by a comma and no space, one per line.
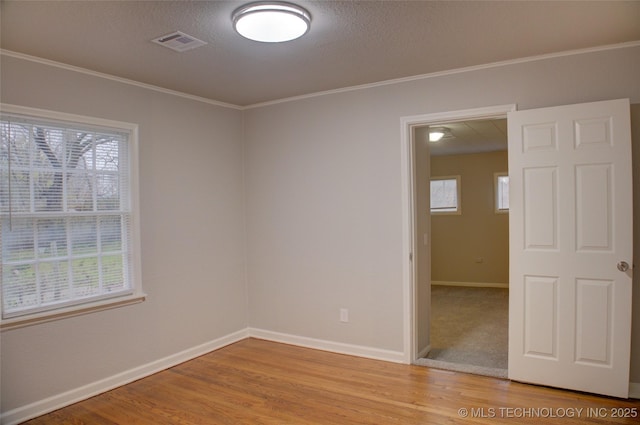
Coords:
261,382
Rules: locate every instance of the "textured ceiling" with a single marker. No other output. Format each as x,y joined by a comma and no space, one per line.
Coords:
350,42
469,137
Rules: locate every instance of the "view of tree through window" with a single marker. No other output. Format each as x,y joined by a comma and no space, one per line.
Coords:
64,194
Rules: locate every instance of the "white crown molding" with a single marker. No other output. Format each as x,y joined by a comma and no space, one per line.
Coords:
509,62
23,56
86,71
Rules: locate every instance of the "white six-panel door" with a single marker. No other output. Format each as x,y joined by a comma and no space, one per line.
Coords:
570,229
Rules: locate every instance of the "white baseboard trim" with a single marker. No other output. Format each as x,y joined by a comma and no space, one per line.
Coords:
634,390
334,347
58,401
38,408
470,284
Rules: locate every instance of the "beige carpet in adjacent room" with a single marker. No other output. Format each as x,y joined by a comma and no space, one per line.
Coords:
469,330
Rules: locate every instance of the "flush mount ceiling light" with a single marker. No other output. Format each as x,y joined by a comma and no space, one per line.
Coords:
271,22
438,133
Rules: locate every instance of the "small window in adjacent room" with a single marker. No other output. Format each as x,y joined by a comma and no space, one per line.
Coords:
445,195
502,192
68,226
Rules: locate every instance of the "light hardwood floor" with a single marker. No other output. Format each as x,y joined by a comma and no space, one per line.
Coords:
260,382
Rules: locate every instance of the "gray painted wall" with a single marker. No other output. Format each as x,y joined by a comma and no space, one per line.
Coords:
314,188
192,236
323,181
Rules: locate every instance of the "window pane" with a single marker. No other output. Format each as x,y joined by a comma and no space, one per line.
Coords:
17,240
15,153
16,140
80,151
47,188
85,277
112,273
18,199
83,235
54,281
503,192
19,286
49,146
110,234
107,154
52,238
108,192
79,191
444,195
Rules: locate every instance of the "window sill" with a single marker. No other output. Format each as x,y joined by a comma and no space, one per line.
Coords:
459,212
49,316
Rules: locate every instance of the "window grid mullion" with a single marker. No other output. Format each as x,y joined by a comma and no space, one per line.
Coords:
69,256
124,243
99,250
125,205
32,152
36,255
94,175
65,176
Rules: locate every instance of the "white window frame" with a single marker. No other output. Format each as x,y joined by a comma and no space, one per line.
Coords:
135,294
458,210
496,192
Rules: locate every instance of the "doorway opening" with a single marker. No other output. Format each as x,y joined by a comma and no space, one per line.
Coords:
424,300
562,313
468,238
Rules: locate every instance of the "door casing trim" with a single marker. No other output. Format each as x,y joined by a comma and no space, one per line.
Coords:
407,124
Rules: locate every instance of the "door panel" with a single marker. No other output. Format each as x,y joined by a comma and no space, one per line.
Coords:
594,195
541,208
594,322
570,223
541,319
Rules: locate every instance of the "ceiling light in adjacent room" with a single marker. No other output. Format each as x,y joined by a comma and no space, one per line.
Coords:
271,22
437,133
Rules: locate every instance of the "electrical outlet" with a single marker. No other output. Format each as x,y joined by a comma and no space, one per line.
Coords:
344,315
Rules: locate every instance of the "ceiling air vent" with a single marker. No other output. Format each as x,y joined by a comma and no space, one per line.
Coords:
179,41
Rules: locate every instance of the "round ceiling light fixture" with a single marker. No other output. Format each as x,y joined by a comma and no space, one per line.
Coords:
271,22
